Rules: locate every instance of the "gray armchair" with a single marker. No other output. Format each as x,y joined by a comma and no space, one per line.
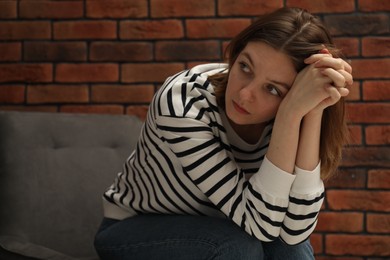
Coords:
54,169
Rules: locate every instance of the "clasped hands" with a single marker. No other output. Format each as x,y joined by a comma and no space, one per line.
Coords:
321,84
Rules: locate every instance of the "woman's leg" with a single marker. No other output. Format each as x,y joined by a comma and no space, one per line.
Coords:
175,237
278,250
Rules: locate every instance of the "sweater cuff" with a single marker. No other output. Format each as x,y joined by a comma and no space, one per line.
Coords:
307,182
273,180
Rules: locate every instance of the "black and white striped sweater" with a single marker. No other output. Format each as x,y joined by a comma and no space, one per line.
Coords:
188,160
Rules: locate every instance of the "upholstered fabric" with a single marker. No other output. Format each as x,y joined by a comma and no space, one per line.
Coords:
53,171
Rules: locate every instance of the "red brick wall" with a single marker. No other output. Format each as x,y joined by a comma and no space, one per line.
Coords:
109,56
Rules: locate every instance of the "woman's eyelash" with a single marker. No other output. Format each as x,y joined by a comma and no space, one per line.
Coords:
272,88
244,66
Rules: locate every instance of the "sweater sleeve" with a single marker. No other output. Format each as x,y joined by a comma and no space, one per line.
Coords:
305,201
258,205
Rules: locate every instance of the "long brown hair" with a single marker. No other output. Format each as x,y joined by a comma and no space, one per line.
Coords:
298,34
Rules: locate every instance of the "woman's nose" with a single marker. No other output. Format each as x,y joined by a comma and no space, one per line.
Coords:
247,93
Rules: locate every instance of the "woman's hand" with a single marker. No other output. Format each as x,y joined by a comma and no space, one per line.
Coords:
336,69
321,84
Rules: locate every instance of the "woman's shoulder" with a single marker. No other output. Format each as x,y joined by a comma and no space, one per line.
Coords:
208,69
189,89
196,75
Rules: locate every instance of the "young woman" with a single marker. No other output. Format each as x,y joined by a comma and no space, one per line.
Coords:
231,155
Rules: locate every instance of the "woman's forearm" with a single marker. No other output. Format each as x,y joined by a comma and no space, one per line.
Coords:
282,150
308,153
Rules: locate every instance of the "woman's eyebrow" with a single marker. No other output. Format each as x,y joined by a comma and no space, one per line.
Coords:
245,54
285,85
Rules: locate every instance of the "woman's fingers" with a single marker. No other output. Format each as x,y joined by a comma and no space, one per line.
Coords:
326,60
348,77
316,57
347,67
334,97
343,91
336,77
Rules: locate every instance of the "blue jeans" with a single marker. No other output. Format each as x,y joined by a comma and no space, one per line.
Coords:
174,237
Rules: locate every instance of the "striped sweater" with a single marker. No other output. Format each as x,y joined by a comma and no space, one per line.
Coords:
188,160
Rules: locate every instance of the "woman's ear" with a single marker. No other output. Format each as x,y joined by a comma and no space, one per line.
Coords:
324,51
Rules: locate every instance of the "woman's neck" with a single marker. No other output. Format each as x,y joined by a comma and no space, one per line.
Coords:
249,133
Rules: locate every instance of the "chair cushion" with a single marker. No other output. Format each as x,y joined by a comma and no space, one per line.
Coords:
54,169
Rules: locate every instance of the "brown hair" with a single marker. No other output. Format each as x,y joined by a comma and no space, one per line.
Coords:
298,34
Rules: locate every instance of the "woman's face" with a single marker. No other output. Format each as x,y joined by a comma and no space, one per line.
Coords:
258,81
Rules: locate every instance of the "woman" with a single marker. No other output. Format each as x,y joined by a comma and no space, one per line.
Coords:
231,155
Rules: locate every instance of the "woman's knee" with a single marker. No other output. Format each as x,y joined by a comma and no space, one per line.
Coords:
278,250
235,243
240,249
177,237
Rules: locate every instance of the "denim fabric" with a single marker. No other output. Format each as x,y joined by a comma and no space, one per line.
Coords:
172,237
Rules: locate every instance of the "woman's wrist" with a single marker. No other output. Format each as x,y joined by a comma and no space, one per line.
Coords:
290,112
314,116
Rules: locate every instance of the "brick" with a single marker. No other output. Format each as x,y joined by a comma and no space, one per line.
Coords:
192,64
92,109
51,109
55,51
152,29
179,8
139,111
247,7
379,179
366,156
368,112
149,72
122,93
371,68
378,223
187,51
38,94
357,24
94,72
121,51
346,222
10,51
26,73
376,90
25,30
376,46
358,245
358,200
102,29
349,46
355,135
347,178
117,8
12,94
316,243
224,46
8,9
325,6
215,28
377,5
45,9
378,135
354,92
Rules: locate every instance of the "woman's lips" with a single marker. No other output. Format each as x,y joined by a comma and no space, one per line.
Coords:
240,109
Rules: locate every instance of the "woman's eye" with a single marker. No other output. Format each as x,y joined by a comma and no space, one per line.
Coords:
244,67
273,90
